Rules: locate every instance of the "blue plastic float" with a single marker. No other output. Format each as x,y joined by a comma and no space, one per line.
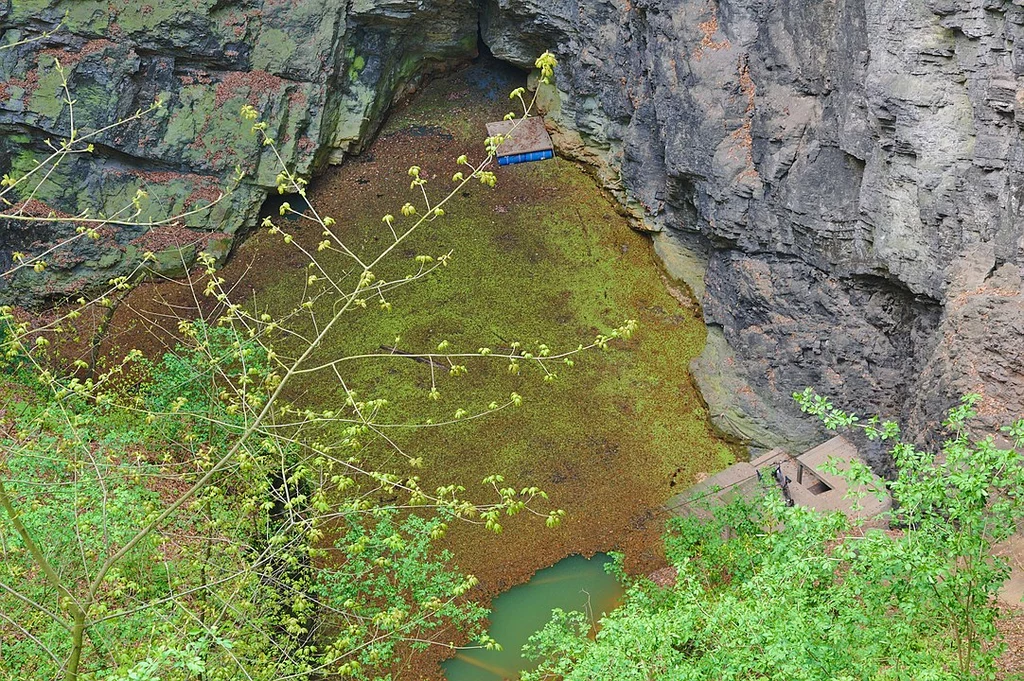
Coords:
526,140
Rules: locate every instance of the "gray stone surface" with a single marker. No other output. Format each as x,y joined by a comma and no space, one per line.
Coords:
837,158
322,74
980,346
738,410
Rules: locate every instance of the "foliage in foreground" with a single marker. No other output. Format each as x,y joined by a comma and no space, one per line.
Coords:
229,579
212,525
770,592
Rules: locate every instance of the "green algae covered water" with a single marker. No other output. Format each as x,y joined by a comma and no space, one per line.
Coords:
542,257
574,583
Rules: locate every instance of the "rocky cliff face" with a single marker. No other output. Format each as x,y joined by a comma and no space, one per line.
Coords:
839,180
322,73
839,162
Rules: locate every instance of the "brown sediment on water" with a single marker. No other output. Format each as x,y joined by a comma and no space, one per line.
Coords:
545,257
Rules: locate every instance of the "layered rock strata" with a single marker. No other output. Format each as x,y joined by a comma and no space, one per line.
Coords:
839,163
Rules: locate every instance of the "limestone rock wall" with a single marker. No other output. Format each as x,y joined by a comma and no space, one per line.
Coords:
834,160
322,73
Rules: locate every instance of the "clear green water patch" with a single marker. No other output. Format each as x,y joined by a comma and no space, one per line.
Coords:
574,583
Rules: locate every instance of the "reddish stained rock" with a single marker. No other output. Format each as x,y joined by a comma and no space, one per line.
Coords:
70,57
204,188
36,209
203,194
256,82
28,84
167,236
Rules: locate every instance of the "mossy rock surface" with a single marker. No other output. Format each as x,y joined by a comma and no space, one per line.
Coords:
173,262
322,75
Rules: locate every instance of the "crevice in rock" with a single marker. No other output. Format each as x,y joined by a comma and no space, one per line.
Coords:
271,207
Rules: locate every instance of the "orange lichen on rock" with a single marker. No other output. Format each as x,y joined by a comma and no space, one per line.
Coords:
708,29
743,143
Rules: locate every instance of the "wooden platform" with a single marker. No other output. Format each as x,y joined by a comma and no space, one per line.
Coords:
529,142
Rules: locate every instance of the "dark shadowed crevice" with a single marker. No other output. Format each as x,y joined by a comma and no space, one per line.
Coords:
271,207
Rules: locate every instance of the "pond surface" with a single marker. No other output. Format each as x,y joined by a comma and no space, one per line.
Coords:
542,257
574,583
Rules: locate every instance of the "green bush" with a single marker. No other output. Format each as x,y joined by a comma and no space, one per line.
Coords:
765,591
